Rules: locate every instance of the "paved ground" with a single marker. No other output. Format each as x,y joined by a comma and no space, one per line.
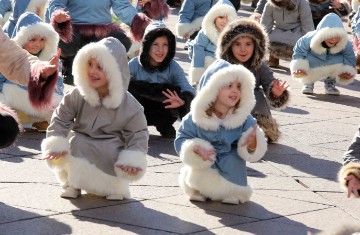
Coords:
295,184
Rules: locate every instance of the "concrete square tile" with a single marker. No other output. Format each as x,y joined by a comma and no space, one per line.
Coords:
320,184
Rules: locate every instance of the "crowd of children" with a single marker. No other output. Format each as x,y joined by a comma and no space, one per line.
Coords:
99,127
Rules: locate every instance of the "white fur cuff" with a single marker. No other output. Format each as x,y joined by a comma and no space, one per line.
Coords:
261,146
299,64
190,158
346,69
134,159
55,144
188,28
195,75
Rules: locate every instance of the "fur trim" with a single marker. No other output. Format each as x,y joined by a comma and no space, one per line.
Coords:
299,64
269,126
188,28
43,30
195,75
93,180
156,9
9,126
289,5
349,169
149,38
281,102
115,77
326,33
138,26
346,69
190,158
41,95
64,29
18,98
355,5
208,24
281,50
98,31
209,92
261,146
134,50
5,18
132,158
55,144
240,28
34,5
203,181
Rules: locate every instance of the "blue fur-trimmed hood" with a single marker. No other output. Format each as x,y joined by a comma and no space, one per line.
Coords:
330,26
221,8
111,55
219,74
30,25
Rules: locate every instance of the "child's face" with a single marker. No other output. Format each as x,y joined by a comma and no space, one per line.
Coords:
158,51
35,45
96,75
331,42
220,22
243,49
229,95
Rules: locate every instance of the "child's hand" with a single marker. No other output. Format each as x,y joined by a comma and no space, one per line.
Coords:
55,155
335,4
129,169
278,89
299,73
51,67
353,185
143,2
173,98
61,17
204,153
186,36
346,76
250,141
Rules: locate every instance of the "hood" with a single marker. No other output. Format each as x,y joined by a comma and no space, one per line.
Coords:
241,28
154,30
219,74
30,25
111,55
330,26
221,8
289,5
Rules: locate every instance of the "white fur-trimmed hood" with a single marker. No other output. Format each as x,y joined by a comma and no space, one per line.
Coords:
111,54
221,8
30,25
218,75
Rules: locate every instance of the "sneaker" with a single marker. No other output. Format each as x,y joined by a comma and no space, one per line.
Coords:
197,197
70,192
308,89
331,90
232,201
115,197
40,126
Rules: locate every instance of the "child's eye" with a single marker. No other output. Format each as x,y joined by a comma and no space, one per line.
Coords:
99,67
90,63
42,39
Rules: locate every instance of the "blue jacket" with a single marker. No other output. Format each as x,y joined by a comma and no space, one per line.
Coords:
320,62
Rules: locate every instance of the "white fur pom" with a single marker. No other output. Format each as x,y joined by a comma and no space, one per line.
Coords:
346,69
134,159
299,64
261,146
190,158
195,75
55,144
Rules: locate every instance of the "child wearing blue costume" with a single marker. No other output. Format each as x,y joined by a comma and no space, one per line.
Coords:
41,40
202,48
219,135
158,82
324,54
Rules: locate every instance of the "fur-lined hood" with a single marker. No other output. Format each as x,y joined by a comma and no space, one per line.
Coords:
289,5
330,26
30,25
154,30
111,54
221,8
240,28
219,74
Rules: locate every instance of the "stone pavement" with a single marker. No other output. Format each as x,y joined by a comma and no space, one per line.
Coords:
296,189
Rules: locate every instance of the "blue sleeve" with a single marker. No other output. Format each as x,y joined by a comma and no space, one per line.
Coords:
249,123
187,11
132,67
186,131
179,79
5,6
301,48
56,5
200,43
349,55
124,10
266,76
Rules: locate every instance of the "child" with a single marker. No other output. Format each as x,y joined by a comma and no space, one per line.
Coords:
77,29
320,8
158,82
245,42
109,140
324,54
202,48
41,40
349,174
19,7
285,21
218,135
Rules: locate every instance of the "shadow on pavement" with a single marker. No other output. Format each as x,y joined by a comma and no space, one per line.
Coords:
295,111
347,100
